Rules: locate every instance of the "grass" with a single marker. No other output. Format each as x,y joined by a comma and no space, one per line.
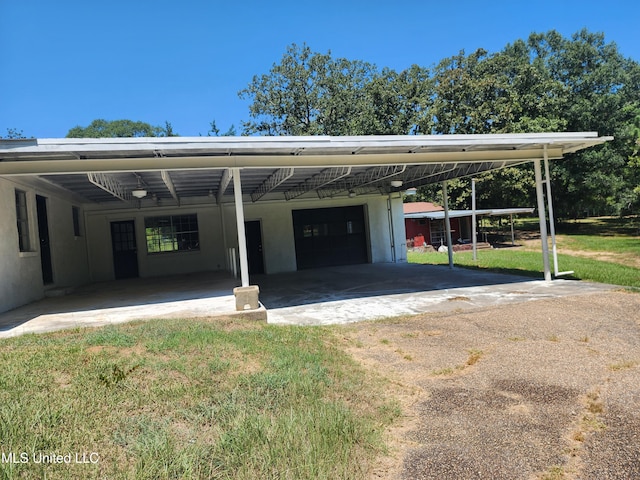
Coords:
189,399
520,262
615,240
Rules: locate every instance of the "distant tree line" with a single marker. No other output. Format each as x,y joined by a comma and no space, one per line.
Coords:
542,84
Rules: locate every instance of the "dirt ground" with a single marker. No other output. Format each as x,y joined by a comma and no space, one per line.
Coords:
547,389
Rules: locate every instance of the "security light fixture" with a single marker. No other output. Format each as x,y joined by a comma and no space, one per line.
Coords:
352,194
396,183
139,192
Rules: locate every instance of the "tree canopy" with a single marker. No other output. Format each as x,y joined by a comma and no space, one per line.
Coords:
544,83
120,128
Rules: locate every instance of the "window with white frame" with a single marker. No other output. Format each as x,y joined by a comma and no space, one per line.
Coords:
22,217
172,233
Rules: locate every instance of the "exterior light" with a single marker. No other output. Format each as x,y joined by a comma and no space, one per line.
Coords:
139,192
396,183
352,194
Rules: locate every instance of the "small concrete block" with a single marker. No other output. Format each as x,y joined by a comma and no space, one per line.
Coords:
247,297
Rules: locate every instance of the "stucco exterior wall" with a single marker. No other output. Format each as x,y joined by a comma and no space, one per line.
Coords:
88,257
277,228
210,256
21,272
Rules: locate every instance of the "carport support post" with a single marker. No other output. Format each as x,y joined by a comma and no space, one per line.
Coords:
552,221
474,240
242,237
447,222
543,220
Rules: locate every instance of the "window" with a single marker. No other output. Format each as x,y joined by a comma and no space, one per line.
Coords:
174,233
75,213
23,221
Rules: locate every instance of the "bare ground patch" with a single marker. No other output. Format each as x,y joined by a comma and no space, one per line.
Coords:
531,408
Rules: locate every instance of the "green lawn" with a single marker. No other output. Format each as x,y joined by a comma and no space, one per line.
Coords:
189,399
603,249
529,263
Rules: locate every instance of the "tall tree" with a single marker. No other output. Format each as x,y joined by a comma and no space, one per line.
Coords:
310,93
602,94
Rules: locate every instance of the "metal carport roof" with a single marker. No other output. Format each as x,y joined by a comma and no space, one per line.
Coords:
175,169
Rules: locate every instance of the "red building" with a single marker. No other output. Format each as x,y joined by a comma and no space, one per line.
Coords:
424,223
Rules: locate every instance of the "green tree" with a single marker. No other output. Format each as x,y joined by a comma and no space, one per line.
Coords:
310,93
601,89
307,93
119,128
14,133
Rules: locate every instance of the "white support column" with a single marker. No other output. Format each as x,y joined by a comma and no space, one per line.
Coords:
552,227
543,220
392,237
552,222
242,238
474,234
513,236
447,222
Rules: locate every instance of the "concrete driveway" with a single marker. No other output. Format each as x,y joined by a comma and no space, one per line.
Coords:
368,292
311,297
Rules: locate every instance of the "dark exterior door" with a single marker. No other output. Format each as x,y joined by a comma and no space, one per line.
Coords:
253,232
45,245
327,237
125,253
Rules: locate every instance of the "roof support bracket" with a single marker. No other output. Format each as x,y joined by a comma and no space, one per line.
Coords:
325,177
224,183
273,181
110,185
166,178
371,176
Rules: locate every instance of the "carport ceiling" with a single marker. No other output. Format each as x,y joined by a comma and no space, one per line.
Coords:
178,168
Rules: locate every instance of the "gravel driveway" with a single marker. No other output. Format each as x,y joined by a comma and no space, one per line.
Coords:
547,389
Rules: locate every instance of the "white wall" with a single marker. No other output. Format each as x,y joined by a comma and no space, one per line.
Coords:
211,255
89,257
277,228
21,272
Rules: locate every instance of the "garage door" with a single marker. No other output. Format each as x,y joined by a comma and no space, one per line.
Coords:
330,236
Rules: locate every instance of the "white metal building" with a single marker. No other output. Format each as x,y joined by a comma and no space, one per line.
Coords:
76,211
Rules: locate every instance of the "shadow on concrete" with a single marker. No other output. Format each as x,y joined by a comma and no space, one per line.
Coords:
369,280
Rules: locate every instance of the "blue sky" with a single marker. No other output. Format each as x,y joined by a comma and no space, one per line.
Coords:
65,63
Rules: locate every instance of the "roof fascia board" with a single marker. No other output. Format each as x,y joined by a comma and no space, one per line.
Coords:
291,145
44,167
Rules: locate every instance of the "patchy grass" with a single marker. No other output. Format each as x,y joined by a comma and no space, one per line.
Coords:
189,399
625,365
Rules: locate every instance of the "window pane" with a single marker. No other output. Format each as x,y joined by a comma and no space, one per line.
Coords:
172,233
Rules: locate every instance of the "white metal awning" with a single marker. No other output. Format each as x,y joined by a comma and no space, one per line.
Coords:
439,215
279,168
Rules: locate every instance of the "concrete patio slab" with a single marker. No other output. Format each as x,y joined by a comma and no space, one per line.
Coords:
312,297
368,292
